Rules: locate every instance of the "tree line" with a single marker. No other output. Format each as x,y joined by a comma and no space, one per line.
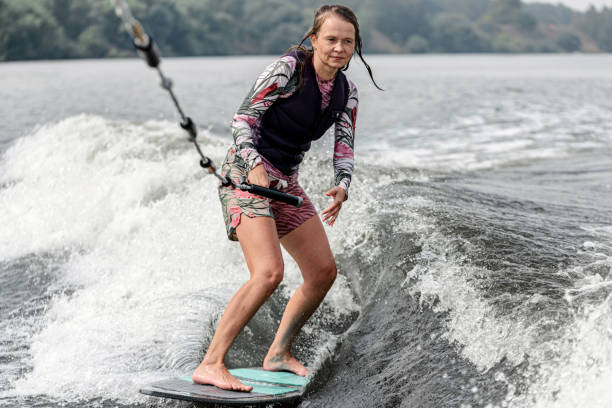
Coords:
51,29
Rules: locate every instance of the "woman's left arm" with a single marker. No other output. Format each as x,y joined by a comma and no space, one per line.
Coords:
344,141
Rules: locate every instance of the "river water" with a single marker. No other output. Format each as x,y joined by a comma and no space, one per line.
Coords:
474,254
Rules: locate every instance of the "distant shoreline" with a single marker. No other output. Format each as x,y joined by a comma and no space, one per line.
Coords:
72,29
377,54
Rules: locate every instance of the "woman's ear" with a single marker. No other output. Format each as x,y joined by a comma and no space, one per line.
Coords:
313,39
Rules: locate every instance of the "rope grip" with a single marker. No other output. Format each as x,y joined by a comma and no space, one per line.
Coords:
242,184
227,182
149,51
207,164
166,83
190,127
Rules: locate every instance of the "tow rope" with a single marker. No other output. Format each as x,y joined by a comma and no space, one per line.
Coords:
148,50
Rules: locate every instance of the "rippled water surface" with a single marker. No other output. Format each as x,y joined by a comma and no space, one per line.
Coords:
475,252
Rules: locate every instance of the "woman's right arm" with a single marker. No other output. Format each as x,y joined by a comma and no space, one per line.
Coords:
267,89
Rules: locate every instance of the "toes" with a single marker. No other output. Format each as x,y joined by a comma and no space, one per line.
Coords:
239,387
242,387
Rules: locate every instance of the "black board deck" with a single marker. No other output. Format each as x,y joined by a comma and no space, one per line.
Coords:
268,387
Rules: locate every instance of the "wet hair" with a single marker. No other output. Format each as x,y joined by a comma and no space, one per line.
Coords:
321,15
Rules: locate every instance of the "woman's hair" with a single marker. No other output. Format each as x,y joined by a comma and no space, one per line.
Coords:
320,16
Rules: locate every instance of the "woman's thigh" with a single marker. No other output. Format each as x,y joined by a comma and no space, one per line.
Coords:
309,246
260,244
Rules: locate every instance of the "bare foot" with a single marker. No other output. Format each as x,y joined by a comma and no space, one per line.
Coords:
217,375
284,362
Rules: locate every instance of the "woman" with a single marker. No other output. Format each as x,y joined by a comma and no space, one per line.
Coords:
293,102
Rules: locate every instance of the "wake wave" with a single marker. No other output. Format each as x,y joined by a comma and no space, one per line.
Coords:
146,276
496,297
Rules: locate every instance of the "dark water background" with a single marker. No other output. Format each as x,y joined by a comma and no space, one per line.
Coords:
475,252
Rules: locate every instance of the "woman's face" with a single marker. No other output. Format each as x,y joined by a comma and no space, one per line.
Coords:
334,43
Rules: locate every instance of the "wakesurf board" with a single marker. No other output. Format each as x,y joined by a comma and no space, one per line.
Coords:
268,387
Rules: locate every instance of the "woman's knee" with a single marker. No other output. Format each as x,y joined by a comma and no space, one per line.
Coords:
325,276
331,273
270,276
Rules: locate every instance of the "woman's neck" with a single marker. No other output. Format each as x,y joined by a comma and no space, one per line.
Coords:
323,71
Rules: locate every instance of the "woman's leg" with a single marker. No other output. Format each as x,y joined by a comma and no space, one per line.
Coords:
308,245
260,245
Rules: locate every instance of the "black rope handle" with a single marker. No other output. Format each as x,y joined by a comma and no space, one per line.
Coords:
269,193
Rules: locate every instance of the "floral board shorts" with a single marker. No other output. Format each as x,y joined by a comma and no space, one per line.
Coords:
235,202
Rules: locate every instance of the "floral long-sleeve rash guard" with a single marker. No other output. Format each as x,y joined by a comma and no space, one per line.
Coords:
278,81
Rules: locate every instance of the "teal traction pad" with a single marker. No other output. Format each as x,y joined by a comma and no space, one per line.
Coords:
274,377
268,387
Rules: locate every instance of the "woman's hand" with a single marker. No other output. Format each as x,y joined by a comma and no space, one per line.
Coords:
330,214
259,176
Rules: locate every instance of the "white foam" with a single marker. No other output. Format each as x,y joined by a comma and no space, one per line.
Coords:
575,369
68,181
579,373
581,377
151,270
444,279
569,368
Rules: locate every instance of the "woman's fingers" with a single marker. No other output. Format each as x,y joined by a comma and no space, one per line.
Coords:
330,218
330,214
334,207
259,176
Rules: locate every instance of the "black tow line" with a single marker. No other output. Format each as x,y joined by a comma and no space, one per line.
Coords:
148,50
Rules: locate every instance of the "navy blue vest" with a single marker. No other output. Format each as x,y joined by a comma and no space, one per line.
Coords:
290,125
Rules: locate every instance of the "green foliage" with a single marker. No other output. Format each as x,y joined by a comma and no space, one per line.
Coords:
550,14
417,45
454,33
488,25
598,26
472,9
510,12
399,19
36,29
30,30
569,41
